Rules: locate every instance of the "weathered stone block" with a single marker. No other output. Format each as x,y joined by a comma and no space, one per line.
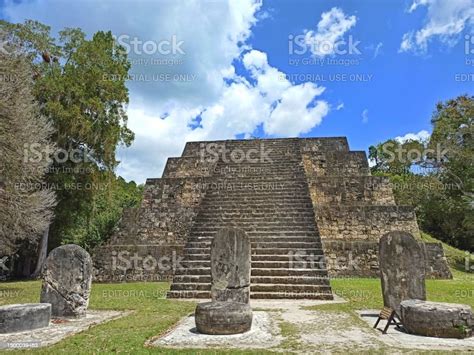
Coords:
402,269
230,266
67,278
23,317
441,320
220,318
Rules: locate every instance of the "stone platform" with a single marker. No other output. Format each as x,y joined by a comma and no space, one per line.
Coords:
24,317
263,334
441,320
399,339
57,330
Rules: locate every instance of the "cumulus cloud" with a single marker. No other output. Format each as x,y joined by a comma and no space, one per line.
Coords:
329,30
445,20
219,104
212,36
271,101
420,136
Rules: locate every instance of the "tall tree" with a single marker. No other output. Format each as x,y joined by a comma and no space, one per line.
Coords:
26,203
80,84
439,181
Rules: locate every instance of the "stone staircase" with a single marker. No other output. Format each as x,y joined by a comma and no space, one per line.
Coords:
270,201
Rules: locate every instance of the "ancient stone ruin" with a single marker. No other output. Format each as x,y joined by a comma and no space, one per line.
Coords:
229,312
401,269
435,319
230,266
67,278
309,206
23,317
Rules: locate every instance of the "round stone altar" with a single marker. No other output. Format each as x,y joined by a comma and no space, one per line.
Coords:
22,317
223,318
434,319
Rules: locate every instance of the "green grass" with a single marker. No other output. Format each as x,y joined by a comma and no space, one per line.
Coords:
153,314
367,293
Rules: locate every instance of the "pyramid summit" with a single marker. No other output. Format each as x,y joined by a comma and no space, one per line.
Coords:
310,207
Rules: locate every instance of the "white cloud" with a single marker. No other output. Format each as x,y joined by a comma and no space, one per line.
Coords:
340,106
213,34
329,30
283,109
365,116
220,104
294,113
445,20
420,136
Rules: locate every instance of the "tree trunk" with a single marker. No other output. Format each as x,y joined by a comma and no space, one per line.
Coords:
42,251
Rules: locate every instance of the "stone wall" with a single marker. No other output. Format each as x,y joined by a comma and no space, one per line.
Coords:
351,190
154,233
188,167
136,263
314,145
168,209
335,163
362,222
360,259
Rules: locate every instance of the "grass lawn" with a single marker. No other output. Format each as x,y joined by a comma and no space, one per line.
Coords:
153,314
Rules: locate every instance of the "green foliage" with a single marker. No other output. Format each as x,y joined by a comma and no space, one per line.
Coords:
88,111
104,211
437,176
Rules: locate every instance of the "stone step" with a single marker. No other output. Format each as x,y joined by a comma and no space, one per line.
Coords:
273,228
255,295
304,280
291,295
306,218
258,189
264,251
288,288
303,215
177,286
257,209
283,224
258,272
266,264
260,234
259,239
224,201
264,245
289,272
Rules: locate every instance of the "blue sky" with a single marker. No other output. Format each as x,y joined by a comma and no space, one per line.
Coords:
234,76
